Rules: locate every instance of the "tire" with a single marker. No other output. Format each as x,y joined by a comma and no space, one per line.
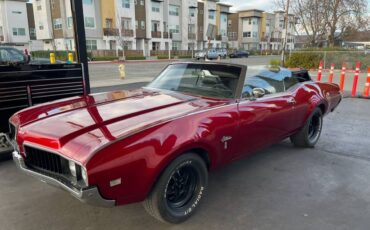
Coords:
165,203
308,136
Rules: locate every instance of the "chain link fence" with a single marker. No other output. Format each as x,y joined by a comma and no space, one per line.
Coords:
311,59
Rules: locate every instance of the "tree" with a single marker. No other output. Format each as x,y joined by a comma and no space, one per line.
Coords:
341,15
310,17
327,19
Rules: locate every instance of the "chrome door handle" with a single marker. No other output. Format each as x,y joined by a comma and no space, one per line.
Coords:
291,101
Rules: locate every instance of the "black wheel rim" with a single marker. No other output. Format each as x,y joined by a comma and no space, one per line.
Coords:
314,127
181,187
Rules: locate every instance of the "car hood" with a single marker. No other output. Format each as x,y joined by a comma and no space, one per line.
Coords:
79,126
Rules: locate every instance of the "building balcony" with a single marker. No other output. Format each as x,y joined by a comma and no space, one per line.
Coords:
110,32
232,38
276,40
191,36
156,34
127,33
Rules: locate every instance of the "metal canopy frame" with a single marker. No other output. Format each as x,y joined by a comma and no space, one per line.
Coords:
80,40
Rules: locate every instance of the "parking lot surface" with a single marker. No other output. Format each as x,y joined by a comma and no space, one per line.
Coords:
281,187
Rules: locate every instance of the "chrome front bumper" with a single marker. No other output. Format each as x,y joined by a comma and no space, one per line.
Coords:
89,195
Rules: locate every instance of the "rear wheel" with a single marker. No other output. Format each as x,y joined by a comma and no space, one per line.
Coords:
310,133
179,190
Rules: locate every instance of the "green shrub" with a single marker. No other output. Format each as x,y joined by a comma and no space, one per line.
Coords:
105,58
275,62
161,57
307,60
311,60
128,58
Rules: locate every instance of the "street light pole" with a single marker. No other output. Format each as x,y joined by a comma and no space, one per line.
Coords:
286,32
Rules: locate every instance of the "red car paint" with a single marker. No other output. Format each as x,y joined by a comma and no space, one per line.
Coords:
134,135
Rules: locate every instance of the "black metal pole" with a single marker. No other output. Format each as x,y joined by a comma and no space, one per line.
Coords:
80,39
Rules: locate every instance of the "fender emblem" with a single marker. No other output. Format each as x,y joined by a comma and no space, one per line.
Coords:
224,140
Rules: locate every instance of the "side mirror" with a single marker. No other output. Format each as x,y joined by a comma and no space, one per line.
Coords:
258,92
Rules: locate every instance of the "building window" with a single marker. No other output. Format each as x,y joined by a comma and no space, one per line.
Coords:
89,22
16,12
69,22
88,2
136,24
58,24
126,23
1,31
174,29
19,31
91,45
39,7
41,26
255,34
156,7
155,26
126,4
211,14
143,25
192,12
108,23
247,34
176,45
32,32
173,10
142,2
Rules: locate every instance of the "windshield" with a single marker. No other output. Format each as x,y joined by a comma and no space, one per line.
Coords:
218,81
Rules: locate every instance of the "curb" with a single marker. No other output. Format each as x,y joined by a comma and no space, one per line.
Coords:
133,61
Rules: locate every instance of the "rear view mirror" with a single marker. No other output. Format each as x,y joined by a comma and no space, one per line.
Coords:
258,92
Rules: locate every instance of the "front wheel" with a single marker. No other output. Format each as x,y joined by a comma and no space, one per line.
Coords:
179,190
308,136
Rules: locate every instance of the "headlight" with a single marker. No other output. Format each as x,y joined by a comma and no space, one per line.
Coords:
72,168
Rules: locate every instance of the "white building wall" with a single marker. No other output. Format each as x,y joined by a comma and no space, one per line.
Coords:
42,19
13,15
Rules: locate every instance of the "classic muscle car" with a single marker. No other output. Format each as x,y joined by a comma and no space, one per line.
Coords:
158,143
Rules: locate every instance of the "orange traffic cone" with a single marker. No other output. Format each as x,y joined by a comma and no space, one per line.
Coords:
331,75
319,74
342,77
367,84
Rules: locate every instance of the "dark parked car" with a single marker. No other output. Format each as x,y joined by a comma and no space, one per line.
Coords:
239,54
9,55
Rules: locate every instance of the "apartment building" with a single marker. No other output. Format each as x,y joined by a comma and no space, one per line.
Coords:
153,25
14,28
223,24
273,31
54,24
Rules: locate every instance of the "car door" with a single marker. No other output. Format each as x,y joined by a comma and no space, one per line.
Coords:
266,120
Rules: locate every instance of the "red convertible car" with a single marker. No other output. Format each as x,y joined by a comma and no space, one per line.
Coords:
158,143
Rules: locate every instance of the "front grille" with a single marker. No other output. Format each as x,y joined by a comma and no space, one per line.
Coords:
44,160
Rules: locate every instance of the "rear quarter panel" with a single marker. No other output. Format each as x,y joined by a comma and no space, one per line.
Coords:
310,95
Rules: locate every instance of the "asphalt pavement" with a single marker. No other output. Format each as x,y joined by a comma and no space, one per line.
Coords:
282,187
